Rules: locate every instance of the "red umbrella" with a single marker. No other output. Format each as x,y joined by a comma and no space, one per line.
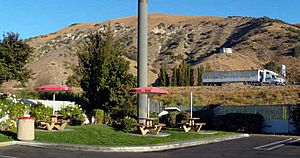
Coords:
149,90
54,88
152,90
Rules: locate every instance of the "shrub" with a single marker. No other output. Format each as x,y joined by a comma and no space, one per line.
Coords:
170,119
99,116
128,124
154,115
271,66
295,116
182,117
10,111
238,122
41,112
73,113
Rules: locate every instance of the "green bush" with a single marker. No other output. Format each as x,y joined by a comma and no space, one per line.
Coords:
170,119
295,115
73,113
99,116
183,117
271,66
10,111
154,115
41,112
238,122
128,124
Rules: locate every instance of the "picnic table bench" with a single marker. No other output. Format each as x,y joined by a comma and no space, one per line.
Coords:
149,127
155,129
191,125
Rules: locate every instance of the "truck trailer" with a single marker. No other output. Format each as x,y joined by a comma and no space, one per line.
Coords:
253,77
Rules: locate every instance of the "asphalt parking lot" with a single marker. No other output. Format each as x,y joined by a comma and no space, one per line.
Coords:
254,146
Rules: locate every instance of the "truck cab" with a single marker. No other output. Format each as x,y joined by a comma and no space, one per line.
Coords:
271,77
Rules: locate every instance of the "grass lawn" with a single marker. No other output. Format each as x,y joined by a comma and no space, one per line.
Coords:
107,136
6,136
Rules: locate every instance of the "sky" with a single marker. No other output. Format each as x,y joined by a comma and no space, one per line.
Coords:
31,18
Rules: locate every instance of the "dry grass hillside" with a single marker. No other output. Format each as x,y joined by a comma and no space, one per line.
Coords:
173,39
230,95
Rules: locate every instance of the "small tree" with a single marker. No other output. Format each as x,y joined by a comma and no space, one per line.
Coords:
102,72
200,71
163,76
271,66
14,55
174,77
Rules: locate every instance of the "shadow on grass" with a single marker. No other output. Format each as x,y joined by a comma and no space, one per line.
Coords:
9,134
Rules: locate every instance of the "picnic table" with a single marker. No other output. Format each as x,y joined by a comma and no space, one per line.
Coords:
56,123
191,125
150,127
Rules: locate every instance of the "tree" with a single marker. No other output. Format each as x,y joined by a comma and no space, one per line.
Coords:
163,76
14,55
102,72
200,73
174,77
272,66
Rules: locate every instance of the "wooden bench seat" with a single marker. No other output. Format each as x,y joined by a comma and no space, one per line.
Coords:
195,127
155,129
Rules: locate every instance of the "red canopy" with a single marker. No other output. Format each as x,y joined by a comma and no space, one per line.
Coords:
153,90
54,88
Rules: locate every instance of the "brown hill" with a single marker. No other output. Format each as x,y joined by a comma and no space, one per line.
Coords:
174,38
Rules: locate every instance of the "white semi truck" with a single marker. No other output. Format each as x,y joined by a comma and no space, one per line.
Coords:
254,77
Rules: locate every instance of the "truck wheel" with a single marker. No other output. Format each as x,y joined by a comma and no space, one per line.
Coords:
276,83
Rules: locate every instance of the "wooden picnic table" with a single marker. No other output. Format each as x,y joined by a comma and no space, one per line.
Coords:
150,127
56,123
191,125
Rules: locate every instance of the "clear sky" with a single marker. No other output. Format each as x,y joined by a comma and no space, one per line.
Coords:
35,17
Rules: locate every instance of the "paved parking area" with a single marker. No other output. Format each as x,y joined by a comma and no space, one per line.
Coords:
254,146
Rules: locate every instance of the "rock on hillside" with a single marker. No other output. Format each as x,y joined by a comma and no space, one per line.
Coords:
173,39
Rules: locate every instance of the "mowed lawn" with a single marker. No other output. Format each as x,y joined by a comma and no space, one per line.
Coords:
106,136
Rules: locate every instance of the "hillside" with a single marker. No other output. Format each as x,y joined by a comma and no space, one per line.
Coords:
230,95
172,39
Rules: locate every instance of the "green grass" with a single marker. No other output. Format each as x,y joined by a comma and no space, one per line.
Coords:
107,136
6,136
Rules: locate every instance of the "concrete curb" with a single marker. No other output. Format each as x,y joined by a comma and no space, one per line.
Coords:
2,144
151,148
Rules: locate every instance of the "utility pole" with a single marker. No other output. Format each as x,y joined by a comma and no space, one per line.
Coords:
142,58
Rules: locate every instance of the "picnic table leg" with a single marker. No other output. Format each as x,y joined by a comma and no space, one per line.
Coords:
50,126
156,130
198,127
62,127
186,129
142,130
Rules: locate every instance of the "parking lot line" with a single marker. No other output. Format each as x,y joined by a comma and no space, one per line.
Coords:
275,145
